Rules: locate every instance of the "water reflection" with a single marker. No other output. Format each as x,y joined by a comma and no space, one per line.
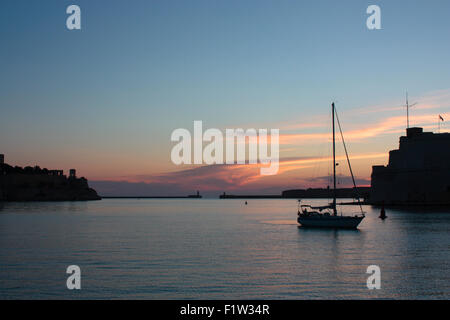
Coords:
217,249
44,207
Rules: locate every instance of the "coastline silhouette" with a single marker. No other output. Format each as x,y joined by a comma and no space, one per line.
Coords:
36,184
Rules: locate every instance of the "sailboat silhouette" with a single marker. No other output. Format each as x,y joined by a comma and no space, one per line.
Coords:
326,216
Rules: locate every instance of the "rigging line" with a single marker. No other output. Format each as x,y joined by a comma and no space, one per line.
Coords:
348,161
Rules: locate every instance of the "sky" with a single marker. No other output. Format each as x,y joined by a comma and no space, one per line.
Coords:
105,99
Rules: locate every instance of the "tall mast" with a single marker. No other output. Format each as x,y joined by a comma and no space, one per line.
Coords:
348,161
407,111
334,163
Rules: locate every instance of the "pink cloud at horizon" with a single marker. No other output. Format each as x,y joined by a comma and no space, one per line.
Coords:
381,133
237,178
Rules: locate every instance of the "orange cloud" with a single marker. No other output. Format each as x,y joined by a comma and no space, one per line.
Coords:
390,125
236,177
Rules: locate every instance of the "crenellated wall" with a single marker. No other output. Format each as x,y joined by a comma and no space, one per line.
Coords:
42,185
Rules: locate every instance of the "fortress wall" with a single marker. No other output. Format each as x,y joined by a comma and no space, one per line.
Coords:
34,180
409,187
417,173
17,184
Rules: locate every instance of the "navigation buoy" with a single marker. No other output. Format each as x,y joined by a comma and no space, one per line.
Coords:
382,213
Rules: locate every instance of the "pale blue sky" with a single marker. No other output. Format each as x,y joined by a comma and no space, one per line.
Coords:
139,69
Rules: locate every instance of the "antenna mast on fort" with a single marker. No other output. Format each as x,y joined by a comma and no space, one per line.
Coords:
407,110
440,118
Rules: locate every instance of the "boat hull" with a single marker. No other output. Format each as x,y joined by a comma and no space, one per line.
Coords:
337,222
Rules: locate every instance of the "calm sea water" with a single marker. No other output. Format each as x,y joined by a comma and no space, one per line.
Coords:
216,249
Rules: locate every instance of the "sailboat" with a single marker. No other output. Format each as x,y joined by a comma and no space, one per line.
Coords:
327,216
